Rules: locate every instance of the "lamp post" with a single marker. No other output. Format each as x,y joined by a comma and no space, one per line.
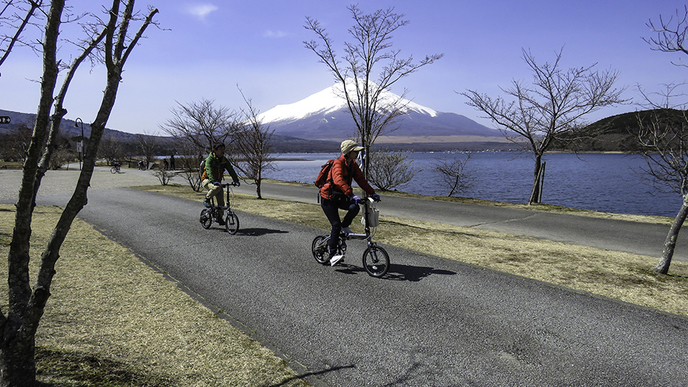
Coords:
81,141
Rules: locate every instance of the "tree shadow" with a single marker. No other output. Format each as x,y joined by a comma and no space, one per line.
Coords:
398,272
307,374
81,369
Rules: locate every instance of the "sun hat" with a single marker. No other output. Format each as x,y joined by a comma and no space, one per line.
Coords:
349,145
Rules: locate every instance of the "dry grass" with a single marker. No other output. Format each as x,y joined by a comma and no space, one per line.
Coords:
113,321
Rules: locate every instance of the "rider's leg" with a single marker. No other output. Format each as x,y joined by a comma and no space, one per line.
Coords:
352,211
332,212
216,192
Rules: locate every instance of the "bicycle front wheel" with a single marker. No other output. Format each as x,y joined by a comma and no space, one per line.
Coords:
320,249
206,218
113,170
231,222
376,261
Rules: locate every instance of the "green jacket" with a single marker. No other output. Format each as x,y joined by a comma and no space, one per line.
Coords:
215,168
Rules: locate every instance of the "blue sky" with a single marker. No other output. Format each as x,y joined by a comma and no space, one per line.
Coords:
207,48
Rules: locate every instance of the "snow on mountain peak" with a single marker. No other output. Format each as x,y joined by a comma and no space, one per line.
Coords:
327,101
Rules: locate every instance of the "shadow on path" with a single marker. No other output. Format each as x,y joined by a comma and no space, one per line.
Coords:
398,272
259,231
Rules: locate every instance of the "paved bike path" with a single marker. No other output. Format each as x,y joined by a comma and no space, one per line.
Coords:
431,321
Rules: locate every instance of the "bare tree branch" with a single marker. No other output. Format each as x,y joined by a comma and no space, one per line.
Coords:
551,107
370,49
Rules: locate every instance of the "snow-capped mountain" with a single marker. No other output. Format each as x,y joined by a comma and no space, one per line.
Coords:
325,115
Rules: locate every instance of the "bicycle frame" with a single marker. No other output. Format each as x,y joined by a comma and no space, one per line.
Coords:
231,221
368,208
375,258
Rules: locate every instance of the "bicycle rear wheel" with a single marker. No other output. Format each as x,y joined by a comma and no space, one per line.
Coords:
206,218
231,222
376,261
320,249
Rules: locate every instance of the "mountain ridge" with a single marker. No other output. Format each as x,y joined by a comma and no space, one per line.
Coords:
324,115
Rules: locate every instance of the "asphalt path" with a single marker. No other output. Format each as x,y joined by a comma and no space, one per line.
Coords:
430,321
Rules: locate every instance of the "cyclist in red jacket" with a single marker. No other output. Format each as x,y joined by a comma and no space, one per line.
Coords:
337,193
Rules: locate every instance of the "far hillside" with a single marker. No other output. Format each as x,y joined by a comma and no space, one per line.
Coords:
614,134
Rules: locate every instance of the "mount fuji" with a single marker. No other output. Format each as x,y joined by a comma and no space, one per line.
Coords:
325,116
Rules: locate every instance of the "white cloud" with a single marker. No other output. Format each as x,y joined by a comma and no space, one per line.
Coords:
200,11
274,34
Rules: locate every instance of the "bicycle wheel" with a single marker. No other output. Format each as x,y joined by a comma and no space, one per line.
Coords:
320,248
231,222
376,261
113,170
206,218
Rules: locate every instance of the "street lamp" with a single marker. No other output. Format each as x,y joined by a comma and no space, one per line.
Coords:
81,142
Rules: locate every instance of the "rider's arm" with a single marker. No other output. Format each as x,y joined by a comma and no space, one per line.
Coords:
230,170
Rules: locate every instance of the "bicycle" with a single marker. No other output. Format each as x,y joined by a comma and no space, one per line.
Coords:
212,213
375,258
116,168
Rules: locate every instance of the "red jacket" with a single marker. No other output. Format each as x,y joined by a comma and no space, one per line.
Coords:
341,175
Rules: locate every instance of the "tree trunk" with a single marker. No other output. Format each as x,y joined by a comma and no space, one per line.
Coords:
18,327
670,242
535,193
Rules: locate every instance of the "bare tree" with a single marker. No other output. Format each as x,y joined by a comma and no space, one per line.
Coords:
372,110
15,16
663,138
252,144
189,164
663,133
551,109
195,127
147,145
110,149
670,35
201,124
17,142
389,169
26,304
454,174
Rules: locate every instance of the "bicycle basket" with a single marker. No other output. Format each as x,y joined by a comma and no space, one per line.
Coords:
373,217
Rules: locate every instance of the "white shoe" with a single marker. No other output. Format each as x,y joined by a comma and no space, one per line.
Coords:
346,230
335,259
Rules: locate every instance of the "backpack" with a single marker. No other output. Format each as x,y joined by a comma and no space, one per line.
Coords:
323,175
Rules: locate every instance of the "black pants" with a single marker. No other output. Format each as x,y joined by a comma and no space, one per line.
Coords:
331,209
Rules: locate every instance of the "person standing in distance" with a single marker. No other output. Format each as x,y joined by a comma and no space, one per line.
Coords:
215,165
337,194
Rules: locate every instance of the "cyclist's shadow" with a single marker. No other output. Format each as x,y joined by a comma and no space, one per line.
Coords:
398,272
254,231
258,231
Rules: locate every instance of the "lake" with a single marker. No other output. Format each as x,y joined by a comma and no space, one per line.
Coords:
600,181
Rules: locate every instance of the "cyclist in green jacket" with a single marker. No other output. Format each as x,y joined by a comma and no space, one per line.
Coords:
215,165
